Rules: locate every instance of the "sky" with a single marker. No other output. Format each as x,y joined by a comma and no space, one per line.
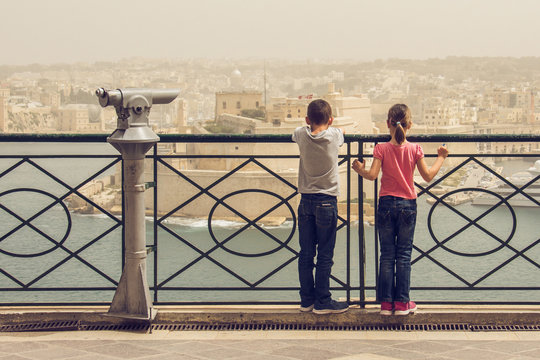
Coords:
67,31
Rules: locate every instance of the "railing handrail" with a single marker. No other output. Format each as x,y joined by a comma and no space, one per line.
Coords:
271,138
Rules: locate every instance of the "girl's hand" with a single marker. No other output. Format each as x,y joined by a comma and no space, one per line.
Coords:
442,151
358,166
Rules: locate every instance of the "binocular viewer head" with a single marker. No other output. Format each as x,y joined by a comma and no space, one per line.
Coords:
133,107
133,97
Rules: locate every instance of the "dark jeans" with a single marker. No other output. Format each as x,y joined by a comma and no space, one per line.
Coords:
317,221
396,220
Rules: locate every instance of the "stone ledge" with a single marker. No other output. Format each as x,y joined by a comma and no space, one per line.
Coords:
281,315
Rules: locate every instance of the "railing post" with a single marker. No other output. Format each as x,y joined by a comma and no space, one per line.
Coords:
361,236
348,221
133,138
155,166
132,297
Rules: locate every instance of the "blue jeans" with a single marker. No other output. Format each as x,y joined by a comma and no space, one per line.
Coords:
317,222
396,219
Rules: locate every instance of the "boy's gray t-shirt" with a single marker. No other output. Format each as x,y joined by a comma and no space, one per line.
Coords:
318,170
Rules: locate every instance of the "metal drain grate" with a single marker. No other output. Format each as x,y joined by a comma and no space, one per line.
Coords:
77,325
505,327
122,327
232,327
42,326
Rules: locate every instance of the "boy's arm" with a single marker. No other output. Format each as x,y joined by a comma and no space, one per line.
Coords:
429,174
372,174
341,137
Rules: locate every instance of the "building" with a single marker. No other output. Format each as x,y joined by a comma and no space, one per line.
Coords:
507,129
351,113
163,116
79,118
51,99
233,102
287,108
357,108
438,112
515,99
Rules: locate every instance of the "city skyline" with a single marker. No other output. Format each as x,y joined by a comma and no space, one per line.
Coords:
62,31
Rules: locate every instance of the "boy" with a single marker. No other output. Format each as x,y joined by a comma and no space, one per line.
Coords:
317,213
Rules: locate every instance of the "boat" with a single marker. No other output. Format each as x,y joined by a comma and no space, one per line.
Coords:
472,177
504,190
535,170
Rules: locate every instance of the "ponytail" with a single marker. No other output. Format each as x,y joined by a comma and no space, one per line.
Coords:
399,135
399,116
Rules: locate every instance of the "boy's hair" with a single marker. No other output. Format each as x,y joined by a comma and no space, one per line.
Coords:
319,112
399,116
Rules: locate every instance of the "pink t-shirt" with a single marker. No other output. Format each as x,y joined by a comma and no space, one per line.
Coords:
398,163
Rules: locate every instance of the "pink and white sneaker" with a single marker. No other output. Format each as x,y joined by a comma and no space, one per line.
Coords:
386,308
404,308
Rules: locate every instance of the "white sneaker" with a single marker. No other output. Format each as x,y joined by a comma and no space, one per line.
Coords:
307,308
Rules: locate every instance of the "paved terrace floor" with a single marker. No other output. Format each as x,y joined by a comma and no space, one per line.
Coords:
272,345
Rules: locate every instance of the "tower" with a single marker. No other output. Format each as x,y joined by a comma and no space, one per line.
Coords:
531,110
4,95
181,116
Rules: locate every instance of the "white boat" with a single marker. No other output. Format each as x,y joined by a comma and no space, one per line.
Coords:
504,190
535,170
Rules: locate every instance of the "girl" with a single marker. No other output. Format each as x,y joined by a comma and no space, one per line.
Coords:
396,214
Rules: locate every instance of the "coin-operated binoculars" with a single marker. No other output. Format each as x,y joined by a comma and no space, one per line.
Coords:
133,138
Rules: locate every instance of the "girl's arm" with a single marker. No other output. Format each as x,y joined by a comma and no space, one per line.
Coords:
429,174
360,168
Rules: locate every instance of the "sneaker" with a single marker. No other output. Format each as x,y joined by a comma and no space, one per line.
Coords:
386,308
404,308
306,308
334,307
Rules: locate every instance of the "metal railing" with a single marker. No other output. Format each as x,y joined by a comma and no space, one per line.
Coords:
234,264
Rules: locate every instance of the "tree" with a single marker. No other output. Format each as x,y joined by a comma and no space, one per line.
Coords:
253,114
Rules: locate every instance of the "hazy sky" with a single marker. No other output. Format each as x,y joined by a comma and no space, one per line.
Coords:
52,31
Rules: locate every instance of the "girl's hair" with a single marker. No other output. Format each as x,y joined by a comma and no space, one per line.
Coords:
399,116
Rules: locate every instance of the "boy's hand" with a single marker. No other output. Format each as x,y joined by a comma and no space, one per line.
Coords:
358,166
442,151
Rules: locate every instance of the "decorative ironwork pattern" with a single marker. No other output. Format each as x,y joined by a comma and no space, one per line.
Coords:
27,222
504,249
249,223
501,201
